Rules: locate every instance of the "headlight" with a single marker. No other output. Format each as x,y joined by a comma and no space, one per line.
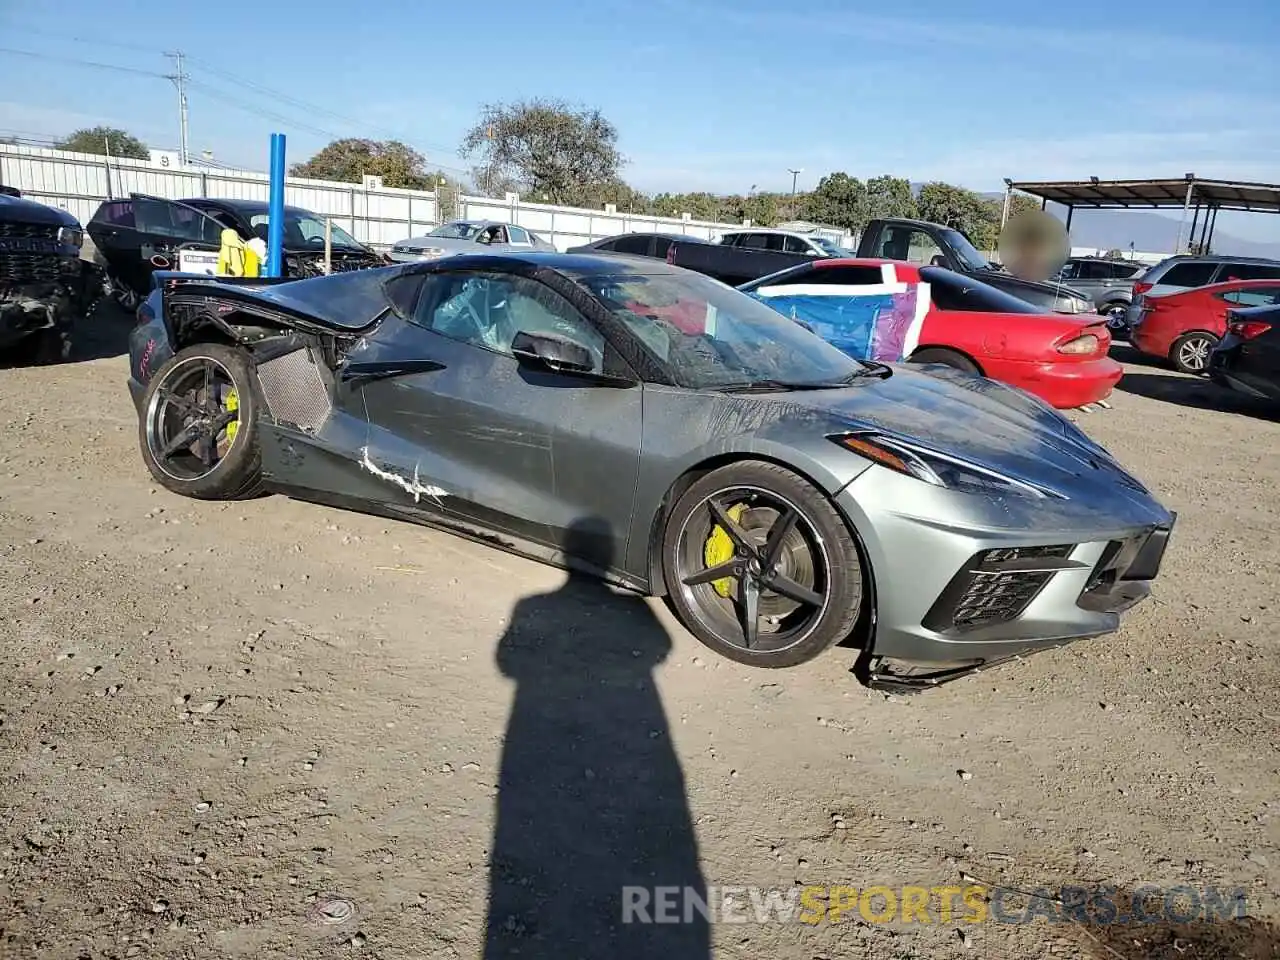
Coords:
71,237
939,469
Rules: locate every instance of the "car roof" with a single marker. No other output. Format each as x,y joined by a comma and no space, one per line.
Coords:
785,233
646,233
573,265
1211,288
1214,258
247,208
479,223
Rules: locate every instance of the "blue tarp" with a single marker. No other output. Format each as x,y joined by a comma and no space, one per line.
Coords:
874,326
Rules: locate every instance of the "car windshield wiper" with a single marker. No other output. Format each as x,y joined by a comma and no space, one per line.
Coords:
870,368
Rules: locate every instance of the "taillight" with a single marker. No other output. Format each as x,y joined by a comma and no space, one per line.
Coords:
1140,288
1248,329
1086,343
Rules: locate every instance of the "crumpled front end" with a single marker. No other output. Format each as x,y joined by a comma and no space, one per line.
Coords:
44,287
302,266
47,309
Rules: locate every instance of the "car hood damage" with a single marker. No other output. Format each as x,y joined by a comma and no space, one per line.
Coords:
982,421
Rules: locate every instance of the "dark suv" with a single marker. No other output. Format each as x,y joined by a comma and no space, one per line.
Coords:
134,237
44,285
1184,272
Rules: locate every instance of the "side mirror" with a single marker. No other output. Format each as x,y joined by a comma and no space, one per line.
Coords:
551,353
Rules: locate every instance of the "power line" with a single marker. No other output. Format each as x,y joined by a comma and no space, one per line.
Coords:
303,104
259,110
184,81
95,41
83,63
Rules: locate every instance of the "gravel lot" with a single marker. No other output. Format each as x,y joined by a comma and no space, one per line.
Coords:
221,720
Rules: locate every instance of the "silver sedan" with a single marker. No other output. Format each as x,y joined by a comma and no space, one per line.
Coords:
468,236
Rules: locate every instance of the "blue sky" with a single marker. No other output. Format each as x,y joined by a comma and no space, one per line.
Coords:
707,94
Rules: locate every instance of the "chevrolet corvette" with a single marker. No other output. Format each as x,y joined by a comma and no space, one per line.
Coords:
577,409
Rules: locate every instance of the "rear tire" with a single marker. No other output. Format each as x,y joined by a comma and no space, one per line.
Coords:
191,396
948,358
1190,352
766,608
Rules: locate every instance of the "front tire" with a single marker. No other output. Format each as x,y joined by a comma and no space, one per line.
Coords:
199,424
1190,352
760,566
41,348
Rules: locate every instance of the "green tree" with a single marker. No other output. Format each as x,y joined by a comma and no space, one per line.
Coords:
701,206
839,200
448,190
965,210
545,148
889,196
1021,203
350,159
96,140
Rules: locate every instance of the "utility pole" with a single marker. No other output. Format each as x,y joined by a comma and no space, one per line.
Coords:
794,174
180,81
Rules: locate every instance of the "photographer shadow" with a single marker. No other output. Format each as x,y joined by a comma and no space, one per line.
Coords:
591,797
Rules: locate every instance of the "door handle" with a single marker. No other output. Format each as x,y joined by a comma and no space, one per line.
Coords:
365,372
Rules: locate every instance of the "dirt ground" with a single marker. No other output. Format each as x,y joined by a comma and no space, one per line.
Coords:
224,726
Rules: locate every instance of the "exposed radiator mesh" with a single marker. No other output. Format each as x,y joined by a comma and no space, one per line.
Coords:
294,390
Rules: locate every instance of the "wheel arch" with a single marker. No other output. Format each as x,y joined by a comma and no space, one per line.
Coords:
695,472
950,349
1173,344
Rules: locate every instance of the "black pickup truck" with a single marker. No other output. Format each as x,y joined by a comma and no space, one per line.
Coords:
916,241
44,285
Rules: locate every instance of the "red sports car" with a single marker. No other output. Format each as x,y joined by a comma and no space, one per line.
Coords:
935,315
1184,327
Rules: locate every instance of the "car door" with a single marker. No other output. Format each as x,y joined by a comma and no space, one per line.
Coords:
167,228
518,237
1249,297
797,245
487,441
636,244
114,232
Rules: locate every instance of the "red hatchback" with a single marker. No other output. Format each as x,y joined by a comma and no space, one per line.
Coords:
1183,328
963,323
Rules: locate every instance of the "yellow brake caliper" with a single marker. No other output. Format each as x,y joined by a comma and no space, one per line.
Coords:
719,549
232,403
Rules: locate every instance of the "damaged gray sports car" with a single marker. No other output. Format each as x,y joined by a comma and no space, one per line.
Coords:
667,433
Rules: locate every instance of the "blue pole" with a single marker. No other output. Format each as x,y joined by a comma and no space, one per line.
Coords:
275,209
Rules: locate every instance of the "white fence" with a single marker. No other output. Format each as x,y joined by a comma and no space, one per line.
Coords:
79,182
372,213
566,227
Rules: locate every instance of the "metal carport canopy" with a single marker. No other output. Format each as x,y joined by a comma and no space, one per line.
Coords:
1186,193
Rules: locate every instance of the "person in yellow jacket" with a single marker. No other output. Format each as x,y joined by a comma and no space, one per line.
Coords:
236,258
